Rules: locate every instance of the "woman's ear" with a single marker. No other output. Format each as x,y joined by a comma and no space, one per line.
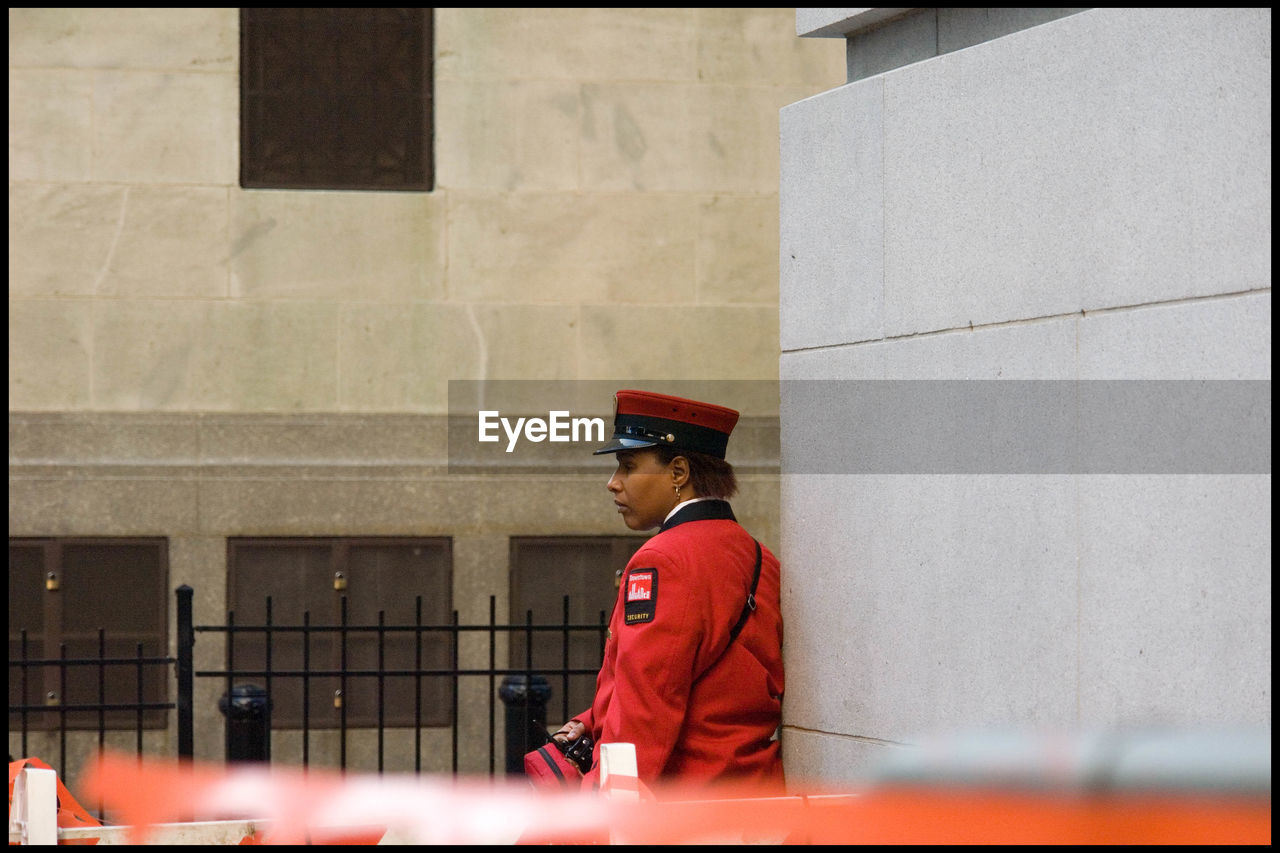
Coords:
679,471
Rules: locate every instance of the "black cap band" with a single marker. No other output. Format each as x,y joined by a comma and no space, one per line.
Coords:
661,432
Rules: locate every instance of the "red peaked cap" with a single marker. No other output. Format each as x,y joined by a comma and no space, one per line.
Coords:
644,419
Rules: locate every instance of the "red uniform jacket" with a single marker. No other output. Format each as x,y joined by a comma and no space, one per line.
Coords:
697,707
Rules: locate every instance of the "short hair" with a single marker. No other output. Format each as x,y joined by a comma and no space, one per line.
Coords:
710,476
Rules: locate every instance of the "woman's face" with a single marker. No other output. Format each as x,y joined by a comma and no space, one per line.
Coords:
643,489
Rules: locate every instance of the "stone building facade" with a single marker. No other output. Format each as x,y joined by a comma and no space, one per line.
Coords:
198,363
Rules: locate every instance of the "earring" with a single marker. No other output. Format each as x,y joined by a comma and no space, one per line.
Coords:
677,491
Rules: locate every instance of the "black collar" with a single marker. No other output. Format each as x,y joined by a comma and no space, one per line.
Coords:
700,511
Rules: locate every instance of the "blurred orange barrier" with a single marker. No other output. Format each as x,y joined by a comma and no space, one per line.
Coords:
325,807
146,794
952,816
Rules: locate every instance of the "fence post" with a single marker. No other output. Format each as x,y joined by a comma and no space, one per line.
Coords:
185,673
248,712
33,811
525,699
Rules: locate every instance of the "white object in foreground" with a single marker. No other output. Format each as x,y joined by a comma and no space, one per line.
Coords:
618,775
33,817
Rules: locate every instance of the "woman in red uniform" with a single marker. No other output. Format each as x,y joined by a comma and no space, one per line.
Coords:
692,671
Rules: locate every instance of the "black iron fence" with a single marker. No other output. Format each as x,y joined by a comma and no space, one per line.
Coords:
308,681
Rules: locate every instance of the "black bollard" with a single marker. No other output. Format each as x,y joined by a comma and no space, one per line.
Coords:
526,717
248,713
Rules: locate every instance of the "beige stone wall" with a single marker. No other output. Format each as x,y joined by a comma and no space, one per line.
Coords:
192,360
606,207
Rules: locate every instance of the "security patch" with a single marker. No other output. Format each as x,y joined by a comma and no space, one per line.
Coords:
641,596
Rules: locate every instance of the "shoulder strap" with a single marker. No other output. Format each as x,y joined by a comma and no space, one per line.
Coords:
751,598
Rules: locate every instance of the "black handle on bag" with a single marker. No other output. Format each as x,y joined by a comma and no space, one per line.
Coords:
578,751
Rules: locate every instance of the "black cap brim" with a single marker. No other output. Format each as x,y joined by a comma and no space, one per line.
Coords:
619,444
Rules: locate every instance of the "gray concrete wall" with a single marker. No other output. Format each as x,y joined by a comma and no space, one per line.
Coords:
1083,198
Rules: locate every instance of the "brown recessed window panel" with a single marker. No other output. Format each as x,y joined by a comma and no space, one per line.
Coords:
101,605
543,571
308,579
336,99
